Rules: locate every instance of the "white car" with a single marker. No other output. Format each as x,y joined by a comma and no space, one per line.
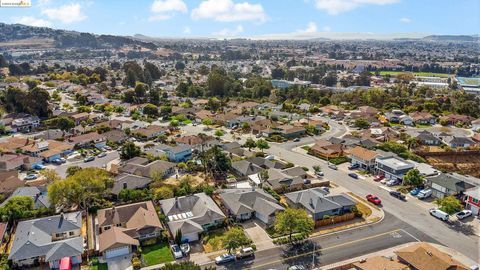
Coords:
463,214
177,252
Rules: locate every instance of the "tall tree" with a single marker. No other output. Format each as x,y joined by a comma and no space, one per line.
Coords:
234,238
293,221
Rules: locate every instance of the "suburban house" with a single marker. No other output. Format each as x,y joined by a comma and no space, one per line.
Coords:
80,117
115,136
394,116
266,163
150,132
245,204
143,167
326,149
455,142
423,256
121,229
244,168
39,196
291,178
454,119
392,167
25,123
363,157
178,153
423,118
289,131
47,240
472,200
48,150
318,204
425,137
447,184
92,139
198,143
406,120
9,181
192,215
129,181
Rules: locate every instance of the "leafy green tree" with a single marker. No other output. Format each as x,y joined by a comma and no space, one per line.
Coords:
16,208
218,133
50,175
449,204
130,150
133,195
413,178
262,144
65,123
71,170
293,221
234,238
362,123
207,122
163,193
150,110
250,143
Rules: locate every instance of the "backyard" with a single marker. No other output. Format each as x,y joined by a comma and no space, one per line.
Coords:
156,254
97,265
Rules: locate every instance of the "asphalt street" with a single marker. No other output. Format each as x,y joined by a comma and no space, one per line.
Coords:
98,163
457,236
335,247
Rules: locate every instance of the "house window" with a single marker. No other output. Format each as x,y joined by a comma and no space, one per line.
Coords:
71,233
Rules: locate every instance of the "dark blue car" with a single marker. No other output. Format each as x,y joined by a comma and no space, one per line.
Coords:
353,175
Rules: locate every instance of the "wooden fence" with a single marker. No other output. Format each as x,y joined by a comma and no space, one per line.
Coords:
335,220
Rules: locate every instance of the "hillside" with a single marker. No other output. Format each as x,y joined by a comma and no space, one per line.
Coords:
451,38
13,34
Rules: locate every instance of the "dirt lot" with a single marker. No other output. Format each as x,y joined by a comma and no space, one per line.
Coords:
457,163
197,179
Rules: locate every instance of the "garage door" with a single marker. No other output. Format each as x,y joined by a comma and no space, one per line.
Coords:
117,252
190,237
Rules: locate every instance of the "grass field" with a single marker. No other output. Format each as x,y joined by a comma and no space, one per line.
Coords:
421,74
156,254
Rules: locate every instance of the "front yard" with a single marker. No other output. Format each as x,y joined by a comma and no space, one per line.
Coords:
97,265
156,254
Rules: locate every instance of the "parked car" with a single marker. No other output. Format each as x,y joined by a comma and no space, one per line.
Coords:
88,159
185,248
319,173
270,157
38,167
307,181
258,135
397,195
296,267
378,178
332,166
373,199
439,214
31,176
245,252
393,182
325,189
225,258
177,252
103,154
384,181
296,139
415,191
463,214
423,194
353,166
353,175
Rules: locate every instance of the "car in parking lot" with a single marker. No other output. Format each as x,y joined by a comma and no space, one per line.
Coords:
296,267
245,252
439,214
353,166
398,195
332,166
225,258
176,251
31,176
353,175
415,191
88,159
103,154
392,183
185,247
38,166
378,178
296,139
423,194
373,199
463,214
319,173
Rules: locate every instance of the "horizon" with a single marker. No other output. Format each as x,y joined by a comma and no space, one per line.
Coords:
254,19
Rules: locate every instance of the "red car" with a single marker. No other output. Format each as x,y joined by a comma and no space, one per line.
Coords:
379,177
374,199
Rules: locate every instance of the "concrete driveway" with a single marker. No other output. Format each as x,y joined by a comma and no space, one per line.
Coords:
120,263
254,230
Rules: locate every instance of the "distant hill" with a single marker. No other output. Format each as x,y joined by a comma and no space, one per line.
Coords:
67,39
452,38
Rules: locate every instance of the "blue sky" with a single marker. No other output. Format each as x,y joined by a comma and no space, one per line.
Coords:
253,18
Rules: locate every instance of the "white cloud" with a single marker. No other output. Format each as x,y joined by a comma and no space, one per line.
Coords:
187,30
162,6
228,11
226,32
311,28
32,21
69,13
334,7
327,29
405,20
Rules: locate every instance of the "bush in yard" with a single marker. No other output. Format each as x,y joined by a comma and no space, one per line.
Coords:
136,263
449,204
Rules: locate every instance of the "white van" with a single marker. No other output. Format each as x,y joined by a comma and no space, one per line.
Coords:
423,194
439,214
245,252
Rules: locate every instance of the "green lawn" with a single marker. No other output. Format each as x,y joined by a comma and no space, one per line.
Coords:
423,125
155,254
421,74
98,266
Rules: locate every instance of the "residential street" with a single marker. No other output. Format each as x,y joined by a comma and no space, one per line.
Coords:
336,246
457,237
97,163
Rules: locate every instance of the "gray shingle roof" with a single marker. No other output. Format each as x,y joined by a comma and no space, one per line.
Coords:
245,167
129,181
33,238
315,201
38,194
241,201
